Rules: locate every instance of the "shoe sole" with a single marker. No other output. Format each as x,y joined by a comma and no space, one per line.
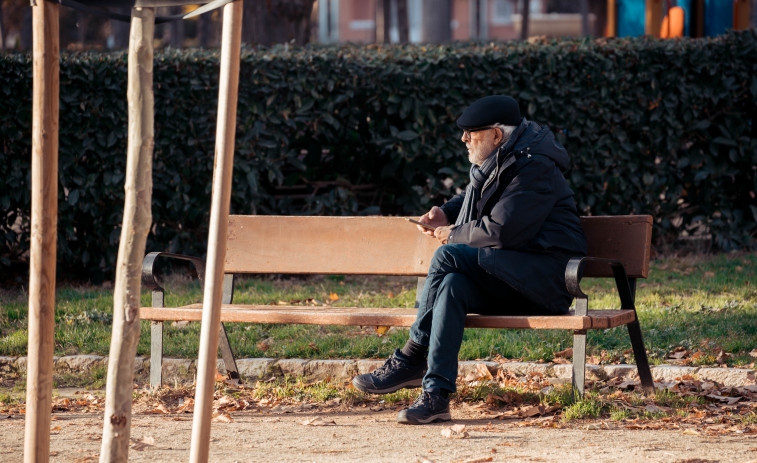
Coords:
403,419
413,383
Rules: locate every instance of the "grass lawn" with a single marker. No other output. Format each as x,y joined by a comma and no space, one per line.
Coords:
697,310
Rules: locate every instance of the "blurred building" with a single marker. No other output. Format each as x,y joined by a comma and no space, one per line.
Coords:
355,20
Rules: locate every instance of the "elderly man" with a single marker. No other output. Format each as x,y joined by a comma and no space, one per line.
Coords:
506,242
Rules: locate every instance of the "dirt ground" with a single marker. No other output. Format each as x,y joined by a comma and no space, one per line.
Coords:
337,433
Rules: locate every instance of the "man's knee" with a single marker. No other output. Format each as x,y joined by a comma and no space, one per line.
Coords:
449,257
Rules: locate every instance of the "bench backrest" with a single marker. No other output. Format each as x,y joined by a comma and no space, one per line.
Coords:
392,245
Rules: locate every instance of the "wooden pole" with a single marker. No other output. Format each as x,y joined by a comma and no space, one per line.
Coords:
653,17
39,373
741,14
611,29
134,229
219,218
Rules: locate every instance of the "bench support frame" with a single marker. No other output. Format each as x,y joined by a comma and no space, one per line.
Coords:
149,279
627,293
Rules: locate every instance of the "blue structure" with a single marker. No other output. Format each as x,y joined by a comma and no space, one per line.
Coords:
717,14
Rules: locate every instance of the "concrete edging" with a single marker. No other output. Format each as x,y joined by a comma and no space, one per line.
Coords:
179,371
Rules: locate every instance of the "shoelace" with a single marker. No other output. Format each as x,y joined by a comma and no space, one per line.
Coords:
390,363
423,399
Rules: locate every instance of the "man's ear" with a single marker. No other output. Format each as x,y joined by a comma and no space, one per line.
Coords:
500,136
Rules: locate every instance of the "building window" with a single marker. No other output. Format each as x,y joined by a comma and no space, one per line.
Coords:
502,12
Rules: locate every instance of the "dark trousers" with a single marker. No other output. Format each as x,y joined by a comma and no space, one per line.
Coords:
456,285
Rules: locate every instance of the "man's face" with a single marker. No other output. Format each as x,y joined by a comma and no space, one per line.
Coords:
480,144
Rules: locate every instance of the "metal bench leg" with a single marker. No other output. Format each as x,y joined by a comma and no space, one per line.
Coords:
637,343
419,291
579,350
156,354
640,354
579,363
228,356
223,340
156,344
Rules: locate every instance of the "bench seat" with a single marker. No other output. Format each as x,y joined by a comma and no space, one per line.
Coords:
381,316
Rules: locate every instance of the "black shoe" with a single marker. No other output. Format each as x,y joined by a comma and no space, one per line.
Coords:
430,406
396,373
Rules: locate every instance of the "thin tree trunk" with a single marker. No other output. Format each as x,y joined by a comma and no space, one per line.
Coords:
437,19
177,29
2,29
26,29
228,87
524,18
39,370
387,23
136,224
583,6
382,16
120,30
277,21
402,21
205,30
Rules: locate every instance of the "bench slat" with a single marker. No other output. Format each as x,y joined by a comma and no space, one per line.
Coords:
355,316
626,238
327,245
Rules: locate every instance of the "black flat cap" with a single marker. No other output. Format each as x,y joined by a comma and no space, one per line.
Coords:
490,110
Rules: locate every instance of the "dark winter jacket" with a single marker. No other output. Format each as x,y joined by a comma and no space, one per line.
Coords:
527,225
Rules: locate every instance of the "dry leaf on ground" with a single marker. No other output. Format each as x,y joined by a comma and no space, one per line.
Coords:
146,442
455,432
222,418
318,421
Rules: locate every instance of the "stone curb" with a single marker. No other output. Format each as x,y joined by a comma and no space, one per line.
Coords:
179,371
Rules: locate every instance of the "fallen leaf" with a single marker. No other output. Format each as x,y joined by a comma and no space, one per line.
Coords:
186,406
691,432
222,418
139,445
160,408
333,297
480,373
531,411
655,409
265,344
483,372
318,421
381,330
455,432
678,353
478,460
567,353
729,400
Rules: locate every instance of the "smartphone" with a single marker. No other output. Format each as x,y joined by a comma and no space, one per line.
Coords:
424,225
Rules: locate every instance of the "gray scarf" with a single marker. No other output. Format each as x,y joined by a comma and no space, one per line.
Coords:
478,179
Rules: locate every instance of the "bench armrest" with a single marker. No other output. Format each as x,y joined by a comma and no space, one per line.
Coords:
574,271
149,279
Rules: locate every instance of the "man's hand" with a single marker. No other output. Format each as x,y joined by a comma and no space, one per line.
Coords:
435,217
442,233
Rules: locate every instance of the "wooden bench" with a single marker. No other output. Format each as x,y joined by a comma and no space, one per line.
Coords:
619,248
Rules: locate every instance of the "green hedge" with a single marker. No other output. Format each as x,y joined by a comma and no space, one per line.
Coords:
659,127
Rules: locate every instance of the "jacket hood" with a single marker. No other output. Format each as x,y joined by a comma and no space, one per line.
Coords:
540,140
